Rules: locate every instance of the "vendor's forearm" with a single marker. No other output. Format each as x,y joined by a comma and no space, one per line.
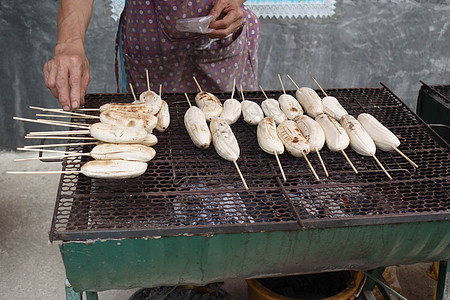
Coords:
73,20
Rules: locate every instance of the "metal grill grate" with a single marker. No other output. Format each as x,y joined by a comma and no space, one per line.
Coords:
191,191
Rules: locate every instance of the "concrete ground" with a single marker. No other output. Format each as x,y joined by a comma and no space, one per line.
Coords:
31,267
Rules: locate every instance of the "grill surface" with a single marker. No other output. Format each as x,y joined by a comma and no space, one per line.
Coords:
191,191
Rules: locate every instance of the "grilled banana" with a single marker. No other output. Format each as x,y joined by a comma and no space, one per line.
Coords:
163,117
150,140
131,152
290,106
127,119
333,108
153,101
126,107
310,101
335,136
116,134
271,109
360,140
209,104
384,138
113,169
312,131
231,111
268,139
251,112
195,123
224,140
293,140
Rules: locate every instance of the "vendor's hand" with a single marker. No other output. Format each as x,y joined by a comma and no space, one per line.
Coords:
227,18
67,74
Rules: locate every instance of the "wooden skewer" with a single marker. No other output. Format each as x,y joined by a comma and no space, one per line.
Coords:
406,157
242,93
132,91
279,165
198,85
282,86
48,122
349,161
234,87
187,98
240,174
58,132
293,81
320,87
58,145
52,157
43,172
384,170
64,112
50,137
311,167
148,80
321,162
74,124
46,150
54,116
78,109
160,90
260,87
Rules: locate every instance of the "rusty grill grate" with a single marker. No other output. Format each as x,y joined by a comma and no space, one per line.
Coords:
191,191
442,90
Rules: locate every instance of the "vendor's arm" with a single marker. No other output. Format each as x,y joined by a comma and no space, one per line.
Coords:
67,73
227,17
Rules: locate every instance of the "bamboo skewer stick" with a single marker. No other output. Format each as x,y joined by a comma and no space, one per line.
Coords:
54,116
50,137
322,163
293,81
320,87
384,170
187,98
48,122
311,167
49,157
57,122
43,172
132,92
282,86
240,174
45,150
160,90
279,165
59,132
406,157
234,87
65,112
148,80
58,145
349,161
198,85
260,87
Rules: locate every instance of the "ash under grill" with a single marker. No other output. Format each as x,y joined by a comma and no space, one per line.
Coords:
191,191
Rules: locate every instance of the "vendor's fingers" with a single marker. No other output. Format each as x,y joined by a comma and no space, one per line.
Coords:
62,86
85,80
75,79
50,78
222,33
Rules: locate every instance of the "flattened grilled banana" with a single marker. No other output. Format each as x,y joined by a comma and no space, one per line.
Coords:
335,136
127,119
268,139
293,140
209,104
310,101
312,131
360,140
126,107
131,152
271,109
195,123
333,108
113,169
251,112
290,106
384,138
116,134
231,111
224,140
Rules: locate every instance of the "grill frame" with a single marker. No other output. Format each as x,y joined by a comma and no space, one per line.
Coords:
291,215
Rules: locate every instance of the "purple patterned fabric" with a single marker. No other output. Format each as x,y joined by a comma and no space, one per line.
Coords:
150,41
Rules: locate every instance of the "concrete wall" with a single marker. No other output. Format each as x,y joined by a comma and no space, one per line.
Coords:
365,42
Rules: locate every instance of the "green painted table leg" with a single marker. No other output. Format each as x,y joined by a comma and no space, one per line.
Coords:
91,296
441,287
71,294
